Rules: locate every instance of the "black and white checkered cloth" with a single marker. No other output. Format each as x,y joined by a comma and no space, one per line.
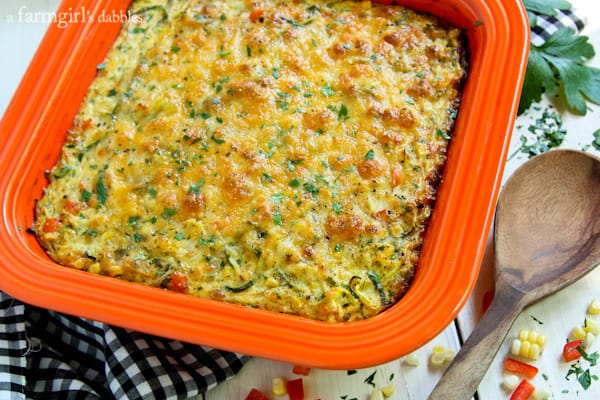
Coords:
547,25
47,355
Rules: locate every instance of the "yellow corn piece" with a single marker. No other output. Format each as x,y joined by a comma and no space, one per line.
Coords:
279,386
542,394
376,395
441,355
515,348
510,382
387,391
590,338
594,307
413,360
577,333
591,326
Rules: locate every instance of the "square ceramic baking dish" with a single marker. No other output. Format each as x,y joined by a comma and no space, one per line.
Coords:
34,129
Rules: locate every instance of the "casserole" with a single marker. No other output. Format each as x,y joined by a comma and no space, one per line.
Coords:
451,253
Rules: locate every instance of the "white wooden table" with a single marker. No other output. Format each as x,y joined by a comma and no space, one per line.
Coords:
555,316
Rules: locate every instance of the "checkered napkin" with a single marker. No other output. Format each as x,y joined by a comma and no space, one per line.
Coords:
547,25
46,355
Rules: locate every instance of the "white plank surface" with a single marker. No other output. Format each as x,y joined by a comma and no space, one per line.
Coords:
20,37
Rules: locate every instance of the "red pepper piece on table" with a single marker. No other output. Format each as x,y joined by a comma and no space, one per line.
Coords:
519,367
570,352
523,391
256,394
295,389
301,370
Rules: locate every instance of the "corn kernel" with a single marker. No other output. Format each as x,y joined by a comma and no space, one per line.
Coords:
515,348
541,340
279,386
441,355
592,326
577,333
534,351
525,346
438,359
449,354
413,360
532,337
510,382
376,395
387,391
594,307
523,335
541,394
589,339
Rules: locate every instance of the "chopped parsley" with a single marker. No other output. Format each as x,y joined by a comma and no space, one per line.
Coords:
327,90
101,192
545,133
370,155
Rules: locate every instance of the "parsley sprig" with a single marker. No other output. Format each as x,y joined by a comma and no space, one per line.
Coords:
558,66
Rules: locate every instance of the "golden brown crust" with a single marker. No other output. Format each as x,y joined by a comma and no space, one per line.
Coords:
277,154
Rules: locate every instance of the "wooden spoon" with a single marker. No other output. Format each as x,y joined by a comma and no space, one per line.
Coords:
546,236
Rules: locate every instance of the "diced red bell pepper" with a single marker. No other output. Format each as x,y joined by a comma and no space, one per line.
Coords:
256,394
519,367
295,389
256,15
51,225
179,282
523,391
570,351
301,370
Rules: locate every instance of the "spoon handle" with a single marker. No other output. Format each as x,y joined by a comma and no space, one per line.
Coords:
461,379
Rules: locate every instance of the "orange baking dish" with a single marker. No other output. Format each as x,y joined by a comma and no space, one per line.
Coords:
34,128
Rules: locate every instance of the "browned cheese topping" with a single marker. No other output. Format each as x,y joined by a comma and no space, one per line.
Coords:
277,154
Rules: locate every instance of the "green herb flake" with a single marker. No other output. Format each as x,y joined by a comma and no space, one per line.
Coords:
276,198
294,183
195,187
371,379
217,140
343,113
275,73
310,188
596,141
327,90
336,208
112,93
175,49
370,155
248,51
86,195
277,220
101,192
442,134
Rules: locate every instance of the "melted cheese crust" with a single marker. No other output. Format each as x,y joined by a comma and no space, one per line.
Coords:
278,154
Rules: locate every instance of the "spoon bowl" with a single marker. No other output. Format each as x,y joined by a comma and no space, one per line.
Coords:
546,236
